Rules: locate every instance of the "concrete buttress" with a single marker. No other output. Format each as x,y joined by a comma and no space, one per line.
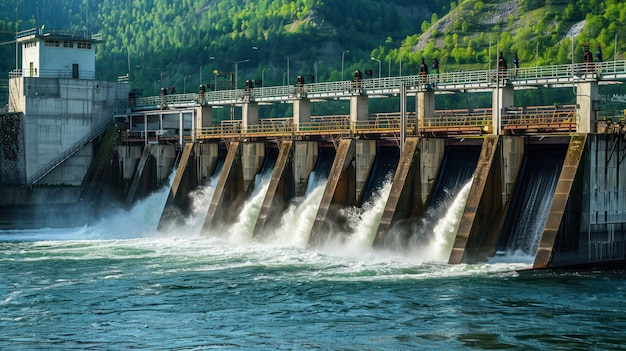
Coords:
476,238
339,186
569,173
184,180
404,197
280,191
227,188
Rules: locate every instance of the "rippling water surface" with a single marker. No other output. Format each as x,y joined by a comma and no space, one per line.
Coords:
121,285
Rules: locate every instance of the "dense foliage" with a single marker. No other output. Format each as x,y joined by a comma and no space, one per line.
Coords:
181,43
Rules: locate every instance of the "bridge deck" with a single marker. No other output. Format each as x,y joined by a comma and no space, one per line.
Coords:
528,120
480,80
516,121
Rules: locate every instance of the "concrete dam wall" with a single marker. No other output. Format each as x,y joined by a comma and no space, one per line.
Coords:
556,201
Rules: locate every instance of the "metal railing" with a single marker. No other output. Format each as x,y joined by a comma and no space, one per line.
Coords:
470,122
568,73
452,119
52,73
74,34
538,117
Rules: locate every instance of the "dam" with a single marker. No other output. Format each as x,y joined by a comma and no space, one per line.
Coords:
543,182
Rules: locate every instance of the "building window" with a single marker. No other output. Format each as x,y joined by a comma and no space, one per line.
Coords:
54,43
86,46
30,44
68,44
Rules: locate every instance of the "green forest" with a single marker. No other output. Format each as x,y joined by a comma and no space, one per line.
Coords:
181,44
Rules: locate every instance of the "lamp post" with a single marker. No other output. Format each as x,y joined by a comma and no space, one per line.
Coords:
263,75
377,60
389,41
272,53
231,61
185,83
236,65
343,55
315,70
537,55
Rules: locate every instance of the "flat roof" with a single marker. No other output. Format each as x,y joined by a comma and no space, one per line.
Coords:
56,34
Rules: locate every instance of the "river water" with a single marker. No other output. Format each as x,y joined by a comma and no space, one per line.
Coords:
119,284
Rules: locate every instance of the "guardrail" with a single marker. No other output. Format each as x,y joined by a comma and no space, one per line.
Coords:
540,118
386,85
75,34
52,73
470,122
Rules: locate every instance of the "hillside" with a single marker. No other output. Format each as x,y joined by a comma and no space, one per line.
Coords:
164,43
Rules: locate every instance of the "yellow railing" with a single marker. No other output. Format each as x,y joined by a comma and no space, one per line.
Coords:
541,117
333,126
455,119
453,122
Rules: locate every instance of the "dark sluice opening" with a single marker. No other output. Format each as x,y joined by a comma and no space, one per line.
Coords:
267,167
385,164
325,158
457,169
530,202
177,214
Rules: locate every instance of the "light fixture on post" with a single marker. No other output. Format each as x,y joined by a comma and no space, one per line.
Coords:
377,60
236,66
273,53
343,55
389,41
263,75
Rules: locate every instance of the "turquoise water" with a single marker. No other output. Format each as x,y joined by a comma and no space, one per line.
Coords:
121,285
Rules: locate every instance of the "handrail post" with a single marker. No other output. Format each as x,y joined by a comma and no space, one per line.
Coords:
403,116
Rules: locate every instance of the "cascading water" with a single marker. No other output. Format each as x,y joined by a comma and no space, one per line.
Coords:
143,218
241,231
139,221
530,205
440,244
200,199
364,221
297,221
429,235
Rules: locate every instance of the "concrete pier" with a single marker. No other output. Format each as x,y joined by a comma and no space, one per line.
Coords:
337,192
304,158
345,185
570,174
412,184
405,200
587,104
280,191
475,239
153,169
301,112
184,180
228,186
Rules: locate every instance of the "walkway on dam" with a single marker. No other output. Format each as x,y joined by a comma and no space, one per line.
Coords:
462,122
147,113
567,75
